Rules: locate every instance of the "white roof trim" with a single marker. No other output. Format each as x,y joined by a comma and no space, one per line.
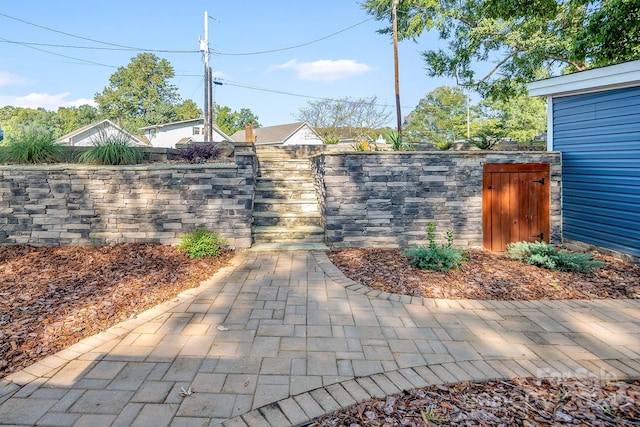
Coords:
622,75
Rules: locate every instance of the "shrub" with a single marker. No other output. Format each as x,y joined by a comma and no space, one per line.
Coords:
545,255
111,150
199,153
33,145
436,257
201,242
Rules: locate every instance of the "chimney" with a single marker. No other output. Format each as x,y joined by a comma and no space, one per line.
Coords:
249,135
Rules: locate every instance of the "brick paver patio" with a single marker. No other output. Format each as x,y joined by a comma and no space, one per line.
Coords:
277,339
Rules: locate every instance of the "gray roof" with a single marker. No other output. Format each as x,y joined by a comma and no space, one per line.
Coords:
270,134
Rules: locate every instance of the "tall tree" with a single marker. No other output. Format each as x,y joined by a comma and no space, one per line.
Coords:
439,118
232,121
16,119
519,118
140,94
70,119
188,110
525,40
345,117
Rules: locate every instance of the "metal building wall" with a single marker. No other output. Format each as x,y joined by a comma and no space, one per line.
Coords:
599,137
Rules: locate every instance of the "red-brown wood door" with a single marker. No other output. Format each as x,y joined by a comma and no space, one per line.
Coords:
515,204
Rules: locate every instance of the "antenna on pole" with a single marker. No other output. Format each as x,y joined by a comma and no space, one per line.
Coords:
204,48
394,14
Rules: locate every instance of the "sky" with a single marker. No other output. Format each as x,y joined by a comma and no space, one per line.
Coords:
55,54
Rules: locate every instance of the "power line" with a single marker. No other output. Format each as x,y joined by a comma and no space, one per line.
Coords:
61,55
293,47
76,36
97,48
279,92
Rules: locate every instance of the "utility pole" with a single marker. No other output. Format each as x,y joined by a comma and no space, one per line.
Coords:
210,81
204,48
394,14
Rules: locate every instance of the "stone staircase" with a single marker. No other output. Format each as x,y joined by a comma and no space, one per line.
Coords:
286,215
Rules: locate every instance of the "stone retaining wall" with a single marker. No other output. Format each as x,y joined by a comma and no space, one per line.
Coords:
68,204
387,199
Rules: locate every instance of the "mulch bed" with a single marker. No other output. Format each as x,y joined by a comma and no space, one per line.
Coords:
51,298
521,402
486,275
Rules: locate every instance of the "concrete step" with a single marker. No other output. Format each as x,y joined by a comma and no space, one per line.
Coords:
279,173
296,234
282,205
287,193
286,219
288,247
279,163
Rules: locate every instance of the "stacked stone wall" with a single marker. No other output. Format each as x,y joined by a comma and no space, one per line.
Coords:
387,199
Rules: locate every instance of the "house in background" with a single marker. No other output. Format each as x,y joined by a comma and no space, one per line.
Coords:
96,132
290,134
175,134
594,120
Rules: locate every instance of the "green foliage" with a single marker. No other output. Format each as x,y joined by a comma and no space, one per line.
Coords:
31,145
545,255
439,118
396,139
519,118
111,149
436,257
230,122
331,141
140,94
520,40
611,34
201,242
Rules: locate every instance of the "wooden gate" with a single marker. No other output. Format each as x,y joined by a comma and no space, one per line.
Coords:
515,204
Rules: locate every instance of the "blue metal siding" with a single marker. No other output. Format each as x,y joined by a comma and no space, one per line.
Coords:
599,137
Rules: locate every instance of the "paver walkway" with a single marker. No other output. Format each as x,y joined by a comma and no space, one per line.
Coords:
280,338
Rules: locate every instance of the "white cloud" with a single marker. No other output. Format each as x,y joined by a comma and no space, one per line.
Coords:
11,79
325,69
44,100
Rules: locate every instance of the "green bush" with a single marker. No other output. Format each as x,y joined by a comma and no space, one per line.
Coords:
31,145
436,257
111,150
201,242
545,255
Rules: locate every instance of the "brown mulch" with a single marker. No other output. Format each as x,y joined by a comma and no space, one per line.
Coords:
486,275
51,298
520,402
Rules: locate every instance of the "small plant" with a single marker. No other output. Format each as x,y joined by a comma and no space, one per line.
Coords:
111,150
199,153
201,242
436,257
331,140
396,140
545,255
32,145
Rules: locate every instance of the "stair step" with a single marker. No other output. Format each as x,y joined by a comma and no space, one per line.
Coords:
288,234
286,219
282,247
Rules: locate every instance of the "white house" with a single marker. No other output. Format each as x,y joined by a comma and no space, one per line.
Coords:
96,132
170,135
290,134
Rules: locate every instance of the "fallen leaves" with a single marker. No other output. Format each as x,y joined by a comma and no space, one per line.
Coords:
52,297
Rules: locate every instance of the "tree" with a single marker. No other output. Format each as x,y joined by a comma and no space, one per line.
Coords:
69,119
16,119
346,117
188,110
519,118
140,94
230,121
528,40
439,118
612,33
